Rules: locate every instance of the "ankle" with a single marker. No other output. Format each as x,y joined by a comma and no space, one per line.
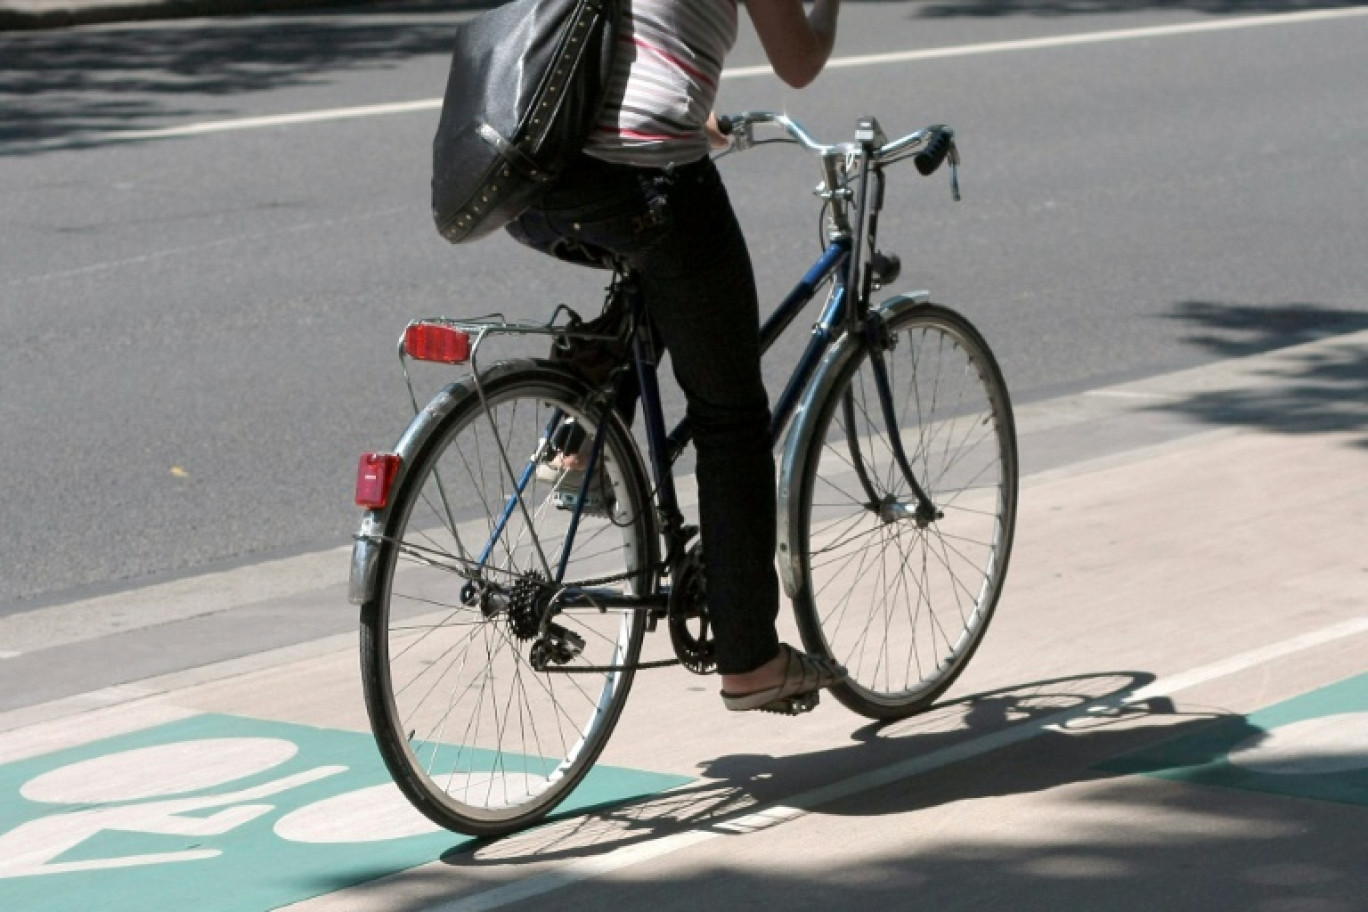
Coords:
767,675
574,462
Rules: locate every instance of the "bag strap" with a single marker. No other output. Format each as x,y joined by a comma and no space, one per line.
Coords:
511,152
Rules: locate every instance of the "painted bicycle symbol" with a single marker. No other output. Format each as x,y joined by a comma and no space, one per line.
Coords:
158,791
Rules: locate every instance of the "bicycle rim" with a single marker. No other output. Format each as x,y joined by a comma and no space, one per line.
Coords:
479,739
904,604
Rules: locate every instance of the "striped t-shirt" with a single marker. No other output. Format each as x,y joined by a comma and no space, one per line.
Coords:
664,81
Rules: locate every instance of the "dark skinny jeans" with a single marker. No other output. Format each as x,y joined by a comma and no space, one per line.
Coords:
677,229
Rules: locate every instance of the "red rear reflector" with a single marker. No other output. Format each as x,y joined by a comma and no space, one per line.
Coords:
437,342
374,477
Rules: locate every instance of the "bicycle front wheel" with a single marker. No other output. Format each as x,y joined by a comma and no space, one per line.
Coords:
490,695
902,600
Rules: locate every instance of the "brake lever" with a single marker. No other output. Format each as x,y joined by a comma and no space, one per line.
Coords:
954,160
743,138
738,130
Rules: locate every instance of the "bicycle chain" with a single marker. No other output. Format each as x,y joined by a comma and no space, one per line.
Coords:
600,669
417,552
421,553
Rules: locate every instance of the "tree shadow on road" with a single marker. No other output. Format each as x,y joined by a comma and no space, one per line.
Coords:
71,86
1312,389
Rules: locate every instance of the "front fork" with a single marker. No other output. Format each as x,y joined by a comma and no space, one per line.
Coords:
877,341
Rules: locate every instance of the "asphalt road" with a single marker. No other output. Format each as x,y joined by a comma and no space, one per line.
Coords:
197,330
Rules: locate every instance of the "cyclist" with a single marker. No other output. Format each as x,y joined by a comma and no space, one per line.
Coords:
645,192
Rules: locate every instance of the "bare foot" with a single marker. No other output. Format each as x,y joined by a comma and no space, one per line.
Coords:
768,675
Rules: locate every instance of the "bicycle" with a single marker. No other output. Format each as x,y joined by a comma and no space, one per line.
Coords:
503,613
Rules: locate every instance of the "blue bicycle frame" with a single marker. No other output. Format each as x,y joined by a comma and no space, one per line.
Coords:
665,448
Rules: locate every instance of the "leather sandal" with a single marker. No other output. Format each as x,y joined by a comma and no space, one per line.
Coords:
804,677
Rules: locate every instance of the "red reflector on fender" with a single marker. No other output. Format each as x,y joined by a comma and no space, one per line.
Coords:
374,477
437,342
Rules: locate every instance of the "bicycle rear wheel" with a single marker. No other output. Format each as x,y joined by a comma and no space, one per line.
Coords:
902,602
490,702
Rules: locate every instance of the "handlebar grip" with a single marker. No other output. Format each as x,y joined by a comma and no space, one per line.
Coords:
725,124
930,158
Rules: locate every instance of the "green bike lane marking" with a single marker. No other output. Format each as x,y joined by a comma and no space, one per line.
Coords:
1311,746
226,813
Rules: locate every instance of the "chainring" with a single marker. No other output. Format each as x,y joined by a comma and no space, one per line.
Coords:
690,626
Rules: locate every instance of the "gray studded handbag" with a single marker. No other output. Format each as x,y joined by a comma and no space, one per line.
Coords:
526,86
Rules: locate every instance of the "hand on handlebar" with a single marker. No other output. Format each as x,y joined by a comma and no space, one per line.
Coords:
718,138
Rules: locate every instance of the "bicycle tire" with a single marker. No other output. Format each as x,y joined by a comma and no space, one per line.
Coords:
476,738
903,605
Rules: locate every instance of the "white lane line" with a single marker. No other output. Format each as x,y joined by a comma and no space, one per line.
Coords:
804,803
1126,394
838,63
6,654
1251,659
1056,41
278,120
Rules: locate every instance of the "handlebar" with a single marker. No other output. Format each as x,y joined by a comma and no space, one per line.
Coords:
852,172
936,142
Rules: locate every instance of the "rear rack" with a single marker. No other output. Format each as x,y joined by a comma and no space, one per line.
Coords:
480,329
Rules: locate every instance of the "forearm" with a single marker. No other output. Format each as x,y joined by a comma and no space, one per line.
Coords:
796,44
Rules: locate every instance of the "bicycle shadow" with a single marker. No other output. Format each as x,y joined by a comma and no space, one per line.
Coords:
1122,842
737,789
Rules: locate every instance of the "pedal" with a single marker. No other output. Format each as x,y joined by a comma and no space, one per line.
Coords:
565,491
593,505
794,705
